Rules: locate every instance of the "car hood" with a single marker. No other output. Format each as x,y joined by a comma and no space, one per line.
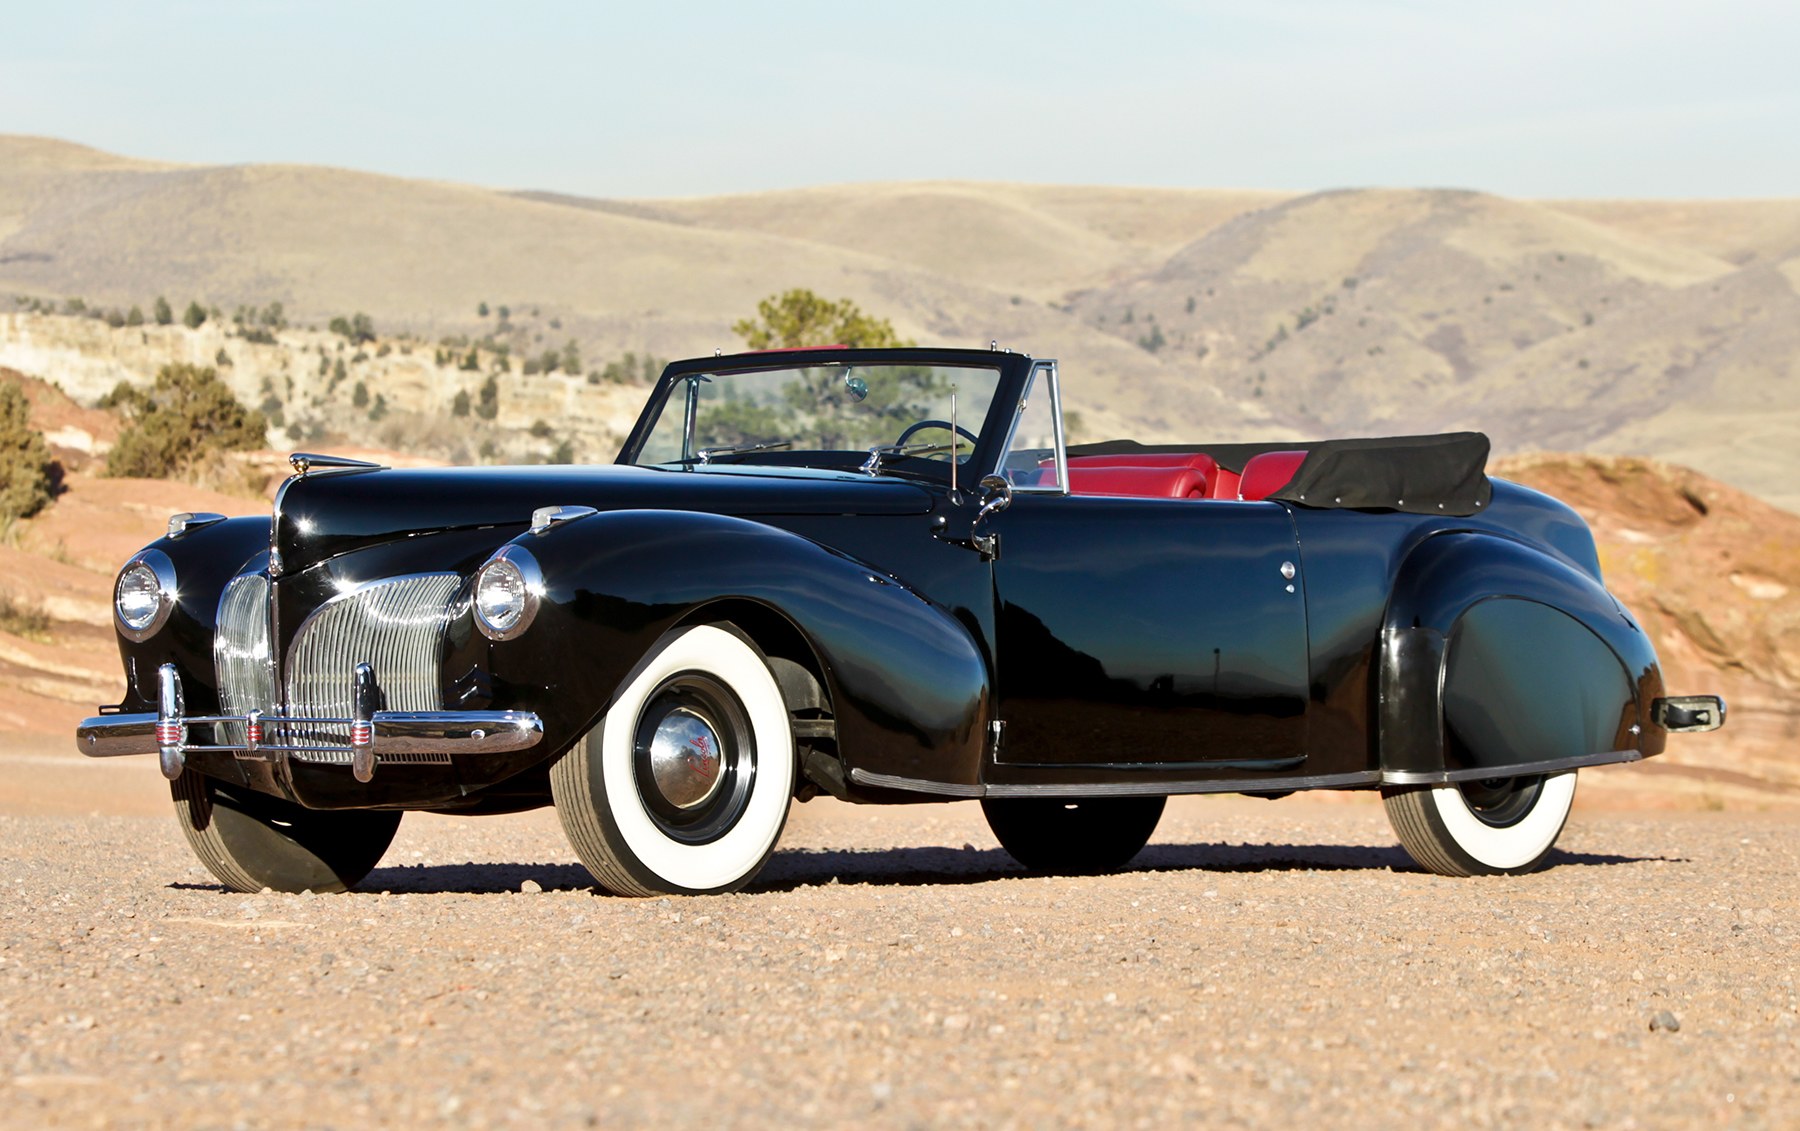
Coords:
324,514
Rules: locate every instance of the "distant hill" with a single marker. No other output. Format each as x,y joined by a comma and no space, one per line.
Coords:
1660,328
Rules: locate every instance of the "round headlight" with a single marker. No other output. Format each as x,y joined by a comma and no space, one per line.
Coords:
506,593
145,594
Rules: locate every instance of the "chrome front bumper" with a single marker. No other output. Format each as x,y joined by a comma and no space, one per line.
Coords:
371,733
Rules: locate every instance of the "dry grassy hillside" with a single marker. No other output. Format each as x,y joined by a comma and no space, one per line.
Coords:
1626,326
1355,310
1035,241
1738,231
1707,374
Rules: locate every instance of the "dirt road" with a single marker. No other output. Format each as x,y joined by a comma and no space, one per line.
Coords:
1264,964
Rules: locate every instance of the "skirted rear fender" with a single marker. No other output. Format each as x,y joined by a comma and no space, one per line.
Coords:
1497,656
906,682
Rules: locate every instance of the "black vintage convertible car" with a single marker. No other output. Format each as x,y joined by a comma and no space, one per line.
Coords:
881,575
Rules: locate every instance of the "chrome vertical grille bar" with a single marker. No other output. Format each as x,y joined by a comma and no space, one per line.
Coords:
241,653
397,627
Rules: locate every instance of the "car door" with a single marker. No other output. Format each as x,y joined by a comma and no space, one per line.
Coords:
1150,632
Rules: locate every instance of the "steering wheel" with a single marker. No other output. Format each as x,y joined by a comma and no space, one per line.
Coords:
921,425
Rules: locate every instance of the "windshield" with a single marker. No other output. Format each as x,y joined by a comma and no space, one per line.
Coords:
822,416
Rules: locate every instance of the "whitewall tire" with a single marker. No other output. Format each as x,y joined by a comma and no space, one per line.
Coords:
1487,828
683,787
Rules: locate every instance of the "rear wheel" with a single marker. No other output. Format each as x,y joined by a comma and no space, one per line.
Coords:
1092,834
251,841
1490,827
683,787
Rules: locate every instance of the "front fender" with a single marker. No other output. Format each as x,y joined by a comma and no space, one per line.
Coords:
907,682
205,558
1496,654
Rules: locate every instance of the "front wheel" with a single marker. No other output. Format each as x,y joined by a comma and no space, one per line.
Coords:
683,787
251,841
1091,834
1492,827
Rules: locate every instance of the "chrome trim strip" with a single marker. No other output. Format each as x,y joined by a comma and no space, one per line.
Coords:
914,785
1523,769
1116,789
1171,788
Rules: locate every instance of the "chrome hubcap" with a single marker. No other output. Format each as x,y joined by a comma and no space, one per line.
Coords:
685,759
694,758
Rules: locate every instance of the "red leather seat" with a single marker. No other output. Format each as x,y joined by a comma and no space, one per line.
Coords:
1223,485
1138,482
1092,475
1268,472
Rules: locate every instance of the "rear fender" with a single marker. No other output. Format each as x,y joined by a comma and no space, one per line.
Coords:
906,682
1497,655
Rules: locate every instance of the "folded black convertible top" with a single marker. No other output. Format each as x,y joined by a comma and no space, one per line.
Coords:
1442,474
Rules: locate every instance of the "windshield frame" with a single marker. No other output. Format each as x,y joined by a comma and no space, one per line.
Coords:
995,430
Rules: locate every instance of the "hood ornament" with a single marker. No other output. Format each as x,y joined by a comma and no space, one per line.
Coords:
303,462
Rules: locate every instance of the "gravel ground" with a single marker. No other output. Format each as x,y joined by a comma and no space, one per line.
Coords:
1263,964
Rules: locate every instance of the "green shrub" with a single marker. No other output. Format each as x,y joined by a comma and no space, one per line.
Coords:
629,370
27,474
799,317
356,329
195,317
187,415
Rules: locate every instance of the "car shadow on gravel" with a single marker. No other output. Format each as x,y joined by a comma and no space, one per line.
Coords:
930,866
945,866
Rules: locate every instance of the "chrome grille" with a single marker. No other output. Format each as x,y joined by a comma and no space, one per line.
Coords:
241,653
398,627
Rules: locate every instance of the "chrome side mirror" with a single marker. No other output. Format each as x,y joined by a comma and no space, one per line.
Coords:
996,496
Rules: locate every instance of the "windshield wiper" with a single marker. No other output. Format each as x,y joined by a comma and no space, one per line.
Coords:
872,465
707,455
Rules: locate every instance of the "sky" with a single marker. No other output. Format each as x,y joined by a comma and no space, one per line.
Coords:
1530,98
